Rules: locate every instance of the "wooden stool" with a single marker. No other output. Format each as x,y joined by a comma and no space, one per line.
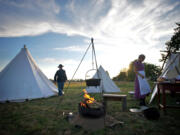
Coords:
115,97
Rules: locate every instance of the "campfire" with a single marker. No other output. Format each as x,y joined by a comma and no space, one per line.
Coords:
87,99
89,107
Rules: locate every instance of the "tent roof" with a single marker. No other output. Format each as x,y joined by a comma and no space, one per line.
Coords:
107,85
22,79
171,70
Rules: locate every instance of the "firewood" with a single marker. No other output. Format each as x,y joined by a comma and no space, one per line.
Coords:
95,104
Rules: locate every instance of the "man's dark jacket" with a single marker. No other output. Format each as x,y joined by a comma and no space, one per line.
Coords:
60,76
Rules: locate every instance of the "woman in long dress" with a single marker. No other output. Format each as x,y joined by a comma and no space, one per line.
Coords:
142,88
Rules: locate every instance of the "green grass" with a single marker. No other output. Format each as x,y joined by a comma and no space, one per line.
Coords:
45,116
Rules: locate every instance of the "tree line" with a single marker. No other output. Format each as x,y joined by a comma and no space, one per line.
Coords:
152,72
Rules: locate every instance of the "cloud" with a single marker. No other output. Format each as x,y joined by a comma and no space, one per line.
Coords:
74,48
49,66
122,29
113,19
56,61
27,18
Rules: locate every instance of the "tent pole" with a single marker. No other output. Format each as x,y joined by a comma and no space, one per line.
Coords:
79,65
167,55
96,61
93,48
92,54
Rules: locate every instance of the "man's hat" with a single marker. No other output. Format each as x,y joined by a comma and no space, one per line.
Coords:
60,65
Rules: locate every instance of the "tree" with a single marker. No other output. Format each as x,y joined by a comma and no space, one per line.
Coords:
171,46
152,71
174,43
122,76
130,72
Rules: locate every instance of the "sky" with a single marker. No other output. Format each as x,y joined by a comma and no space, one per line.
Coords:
59,32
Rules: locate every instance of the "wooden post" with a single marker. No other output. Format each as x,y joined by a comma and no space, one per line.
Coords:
124,104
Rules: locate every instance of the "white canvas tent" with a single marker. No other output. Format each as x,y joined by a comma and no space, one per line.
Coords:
106,85
21,79
171,70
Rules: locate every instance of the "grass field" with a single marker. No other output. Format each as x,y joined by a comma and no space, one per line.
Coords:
45,116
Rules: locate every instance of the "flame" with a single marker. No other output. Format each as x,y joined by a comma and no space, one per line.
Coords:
82,104
84,90
88,99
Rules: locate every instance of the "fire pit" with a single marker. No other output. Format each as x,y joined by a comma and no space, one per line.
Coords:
90,108
87,111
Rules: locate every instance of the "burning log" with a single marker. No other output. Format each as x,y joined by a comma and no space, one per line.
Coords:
87,108
88,100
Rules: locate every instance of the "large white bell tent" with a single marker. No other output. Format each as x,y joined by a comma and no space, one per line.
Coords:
106,84
21,79
170,71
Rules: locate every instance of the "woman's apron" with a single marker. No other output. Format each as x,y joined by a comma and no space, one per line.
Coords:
143,84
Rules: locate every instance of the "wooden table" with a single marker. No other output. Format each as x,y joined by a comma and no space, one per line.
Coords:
115,97
163,87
